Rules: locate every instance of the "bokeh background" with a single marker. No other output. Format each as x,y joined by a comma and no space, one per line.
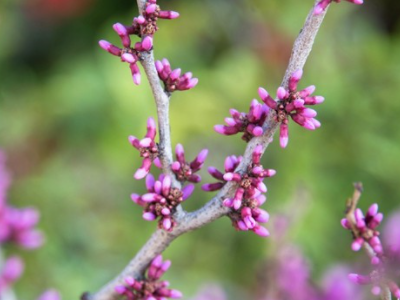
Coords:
67,108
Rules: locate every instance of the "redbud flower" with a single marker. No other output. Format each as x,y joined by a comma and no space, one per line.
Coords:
12,270
249,123
291,103
161,200
245,213
323,4
143,26
173,80
183,170
147,148
385,262
149,288
231,163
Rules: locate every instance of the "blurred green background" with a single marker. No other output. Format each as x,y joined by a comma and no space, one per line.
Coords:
67,108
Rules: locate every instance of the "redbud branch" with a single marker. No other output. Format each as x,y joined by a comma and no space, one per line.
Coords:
162,103
351,207
214,209
8,294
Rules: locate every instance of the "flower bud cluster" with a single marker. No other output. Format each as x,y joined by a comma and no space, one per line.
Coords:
292,103
246,212
17,225
144,26
185,171
249,123
161,200
150,287
385,263
230,165
147,148
173,80
323,4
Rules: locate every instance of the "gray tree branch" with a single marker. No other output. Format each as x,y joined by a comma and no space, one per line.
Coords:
214,209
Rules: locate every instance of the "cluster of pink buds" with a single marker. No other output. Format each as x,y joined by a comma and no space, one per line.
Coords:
230,165
12,270
144,26
173,80
291,103
246,212
147,148
149,288
249,123
18,226
161,200
323,4
183,170
385,264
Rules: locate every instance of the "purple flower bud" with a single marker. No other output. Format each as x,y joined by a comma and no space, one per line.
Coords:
147,43
175,74
167,224
110,48
187,191
294,80
144,169
261,231
357,244
149,216
283,135
135,73
151,8
282,93
168,14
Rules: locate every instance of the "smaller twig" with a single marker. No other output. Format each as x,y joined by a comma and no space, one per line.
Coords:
386,294
351,207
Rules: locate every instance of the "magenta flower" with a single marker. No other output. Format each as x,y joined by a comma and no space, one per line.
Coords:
183,170
143,26
161,200
245,213
385,262
11,272
249,123
173,80
323,4
147,148
231,163
291,103
149,288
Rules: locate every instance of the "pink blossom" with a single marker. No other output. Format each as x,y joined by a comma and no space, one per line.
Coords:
292,103
147,148
185,171
161,200
149,287
249,123
143,26
173,80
